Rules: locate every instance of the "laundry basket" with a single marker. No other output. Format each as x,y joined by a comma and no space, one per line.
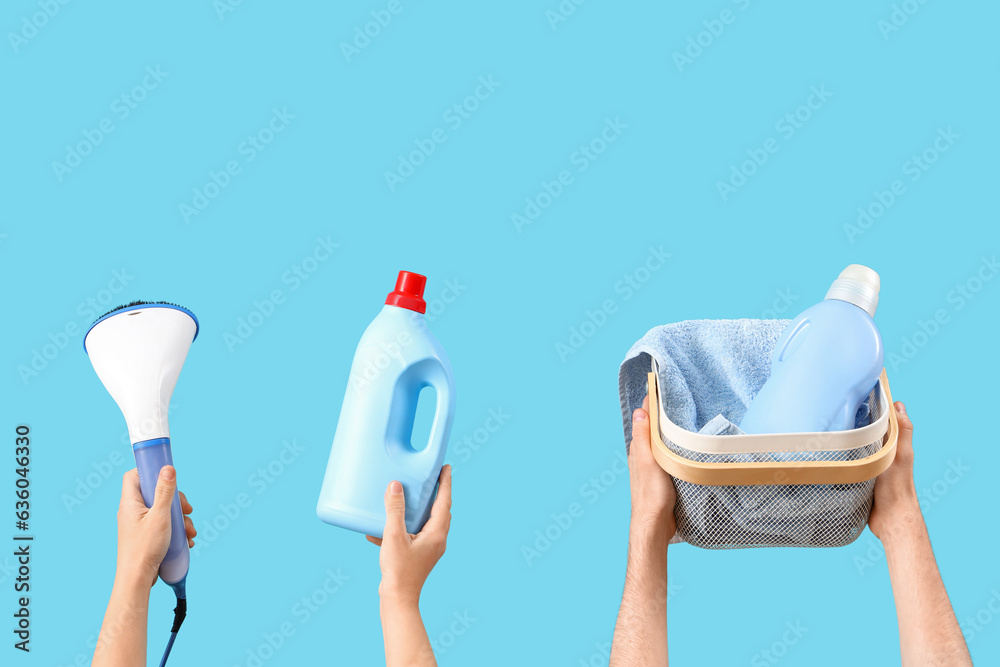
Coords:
780,490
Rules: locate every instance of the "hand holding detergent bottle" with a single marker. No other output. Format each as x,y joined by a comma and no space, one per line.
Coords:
825,363
396,358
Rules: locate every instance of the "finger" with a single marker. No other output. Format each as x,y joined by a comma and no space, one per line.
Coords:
905,425
640,436
377,541
166,488
395,511
189,528
185,505
904,445
131,494
441,509
645,403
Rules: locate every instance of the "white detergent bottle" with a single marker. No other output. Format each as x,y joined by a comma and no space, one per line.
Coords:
397,357
825,364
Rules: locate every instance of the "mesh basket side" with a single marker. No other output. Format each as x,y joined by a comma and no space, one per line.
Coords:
795,515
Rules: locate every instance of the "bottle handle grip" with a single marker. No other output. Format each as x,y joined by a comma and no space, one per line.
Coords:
443,392
402,413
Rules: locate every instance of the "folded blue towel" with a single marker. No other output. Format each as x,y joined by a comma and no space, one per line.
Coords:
721,426
707,368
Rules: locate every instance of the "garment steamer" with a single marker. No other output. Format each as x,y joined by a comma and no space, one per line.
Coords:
138,350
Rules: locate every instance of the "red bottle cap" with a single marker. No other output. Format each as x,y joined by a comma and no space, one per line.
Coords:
409,292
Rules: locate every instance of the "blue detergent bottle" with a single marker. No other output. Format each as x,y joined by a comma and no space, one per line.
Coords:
825,363
397,357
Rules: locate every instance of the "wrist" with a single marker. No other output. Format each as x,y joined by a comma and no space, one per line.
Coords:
905,524
650,523
132,592
395,596
134,580
648,534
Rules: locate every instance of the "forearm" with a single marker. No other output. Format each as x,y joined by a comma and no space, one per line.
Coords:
929,633
406,642
641,631
122,642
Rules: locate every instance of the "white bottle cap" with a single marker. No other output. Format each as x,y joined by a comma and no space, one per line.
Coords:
859,285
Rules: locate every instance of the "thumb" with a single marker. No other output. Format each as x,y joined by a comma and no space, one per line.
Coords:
905,425
639,448
395,510
904,445
166,488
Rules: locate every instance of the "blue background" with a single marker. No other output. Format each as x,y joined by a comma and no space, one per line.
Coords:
770,248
